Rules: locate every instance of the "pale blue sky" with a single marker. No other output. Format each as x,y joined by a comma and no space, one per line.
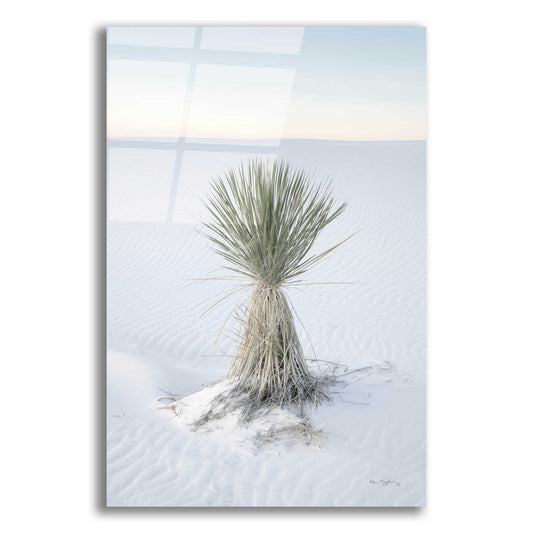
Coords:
346,83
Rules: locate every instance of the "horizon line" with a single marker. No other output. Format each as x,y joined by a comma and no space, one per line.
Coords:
248,139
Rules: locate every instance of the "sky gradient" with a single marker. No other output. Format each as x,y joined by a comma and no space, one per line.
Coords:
338,83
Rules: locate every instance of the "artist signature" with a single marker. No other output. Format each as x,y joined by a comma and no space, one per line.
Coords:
385,482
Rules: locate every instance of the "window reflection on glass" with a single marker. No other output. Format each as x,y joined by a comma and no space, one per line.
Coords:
259,39
197,170
139,183
145,98
247,89
167,36
245,103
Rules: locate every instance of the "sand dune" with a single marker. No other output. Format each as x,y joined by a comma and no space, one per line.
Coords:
374,451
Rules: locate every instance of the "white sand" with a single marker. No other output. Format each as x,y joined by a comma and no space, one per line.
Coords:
374,450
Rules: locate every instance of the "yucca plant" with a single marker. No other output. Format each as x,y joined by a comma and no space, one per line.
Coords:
265,218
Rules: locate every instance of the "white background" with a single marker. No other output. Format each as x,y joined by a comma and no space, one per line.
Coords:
480,266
